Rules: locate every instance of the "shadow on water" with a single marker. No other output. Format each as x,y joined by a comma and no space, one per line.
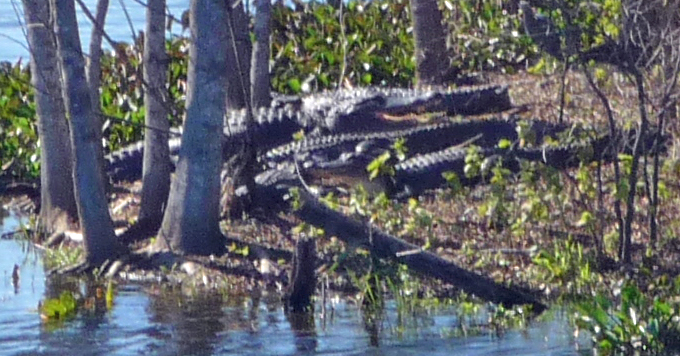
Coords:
152,319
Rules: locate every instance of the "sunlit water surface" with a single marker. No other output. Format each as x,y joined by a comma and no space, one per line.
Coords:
13,42
146,321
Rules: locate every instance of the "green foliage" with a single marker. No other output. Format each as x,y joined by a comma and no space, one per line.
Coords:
308,230
239,250
496,207
19,153
62,308
568,267
453,182
310,51
62,256
380,166
97,300
400,149
473,162
122,90
483,36
295,198
635,321
419,219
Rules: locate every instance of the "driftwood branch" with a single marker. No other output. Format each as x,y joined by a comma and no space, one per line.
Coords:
383,245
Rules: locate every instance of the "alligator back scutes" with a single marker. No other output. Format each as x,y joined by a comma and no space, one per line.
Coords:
425,172
272,126
126,163
235,120
472,100
329,143
419,139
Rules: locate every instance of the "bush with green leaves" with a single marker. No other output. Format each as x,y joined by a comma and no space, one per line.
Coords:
312,49
636,320
19,153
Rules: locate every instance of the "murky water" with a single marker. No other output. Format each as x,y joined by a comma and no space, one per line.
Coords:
13,42
151,320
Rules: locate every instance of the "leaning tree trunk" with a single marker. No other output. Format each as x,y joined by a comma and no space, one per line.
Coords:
57,202
191,220
238,80
431,60
95,221
259,75
156,170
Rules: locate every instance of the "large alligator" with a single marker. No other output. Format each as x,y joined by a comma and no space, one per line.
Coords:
272,127
417,140
339,111
363,109
424,172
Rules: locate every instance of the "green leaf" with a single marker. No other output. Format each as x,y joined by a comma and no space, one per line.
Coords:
295,85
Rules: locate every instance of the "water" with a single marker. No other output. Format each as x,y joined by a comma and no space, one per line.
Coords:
13,41
150,320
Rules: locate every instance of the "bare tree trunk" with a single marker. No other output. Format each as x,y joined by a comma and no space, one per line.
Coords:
238,80
615,147
625,243
191,220
94,66
95,221
259,75
156,171
430,39
94,74
57,202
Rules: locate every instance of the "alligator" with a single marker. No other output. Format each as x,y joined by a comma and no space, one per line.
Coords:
363,109
410,177
339,111
418,139
126,164
425,171
272,127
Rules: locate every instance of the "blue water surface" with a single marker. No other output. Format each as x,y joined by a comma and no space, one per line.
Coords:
146,321
12,29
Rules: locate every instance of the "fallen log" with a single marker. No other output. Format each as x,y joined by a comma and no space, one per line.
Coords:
380,244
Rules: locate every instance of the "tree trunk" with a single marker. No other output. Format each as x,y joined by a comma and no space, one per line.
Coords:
238,80
431,61
94,75
57,202
156,169
191,220
95,221
625,243
259,75
303,276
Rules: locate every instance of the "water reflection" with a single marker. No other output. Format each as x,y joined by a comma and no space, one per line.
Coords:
155,320
197,321
304,329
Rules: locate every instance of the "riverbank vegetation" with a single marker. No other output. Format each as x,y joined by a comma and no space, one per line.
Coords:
601,238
